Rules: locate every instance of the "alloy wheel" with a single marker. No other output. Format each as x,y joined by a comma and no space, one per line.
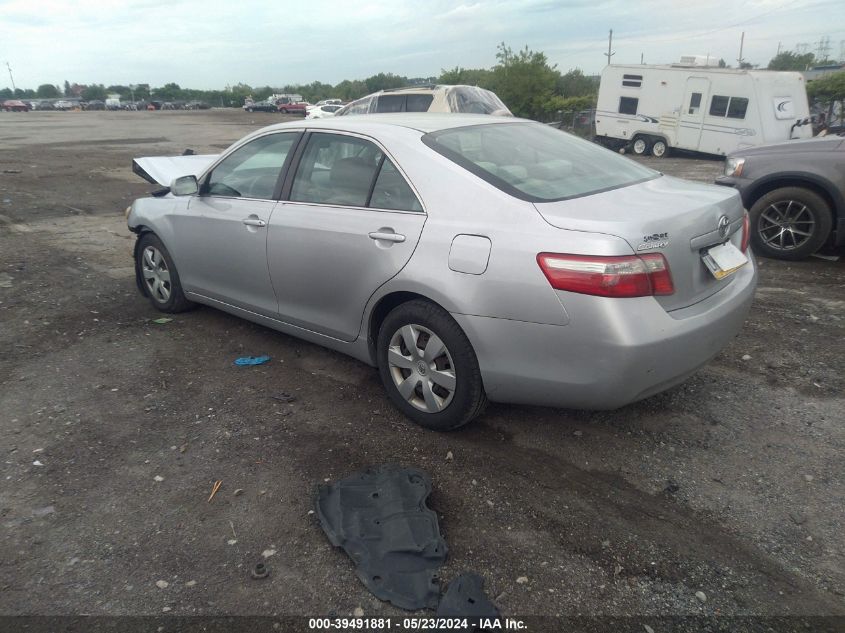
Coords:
786,225
421,368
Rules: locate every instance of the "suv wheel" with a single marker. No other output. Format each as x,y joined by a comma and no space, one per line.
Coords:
790,223
428,367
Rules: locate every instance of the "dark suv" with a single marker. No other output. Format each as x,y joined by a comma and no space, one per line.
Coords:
795,194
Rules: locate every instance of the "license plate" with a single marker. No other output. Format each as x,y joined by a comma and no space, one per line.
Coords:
724,260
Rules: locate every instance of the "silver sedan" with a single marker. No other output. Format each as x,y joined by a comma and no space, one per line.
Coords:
469,258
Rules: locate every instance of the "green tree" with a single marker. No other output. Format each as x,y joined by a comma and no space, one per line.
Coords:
576,84
48,91
828,90
787,60
384,81
94,92
524,81
67,88
722,63
480,77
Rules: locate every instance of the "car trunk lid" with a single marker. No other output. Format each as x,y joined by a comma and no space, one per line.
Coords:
677,218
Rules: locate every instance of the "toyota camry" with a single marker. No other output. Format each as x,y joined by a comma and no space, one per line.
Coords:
469,258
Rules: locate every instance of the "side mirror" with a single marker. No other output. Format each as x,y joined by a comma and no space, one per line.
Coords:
184,186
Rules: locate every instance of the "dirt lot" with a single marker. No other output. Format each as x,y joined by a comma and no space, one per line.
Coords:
114,430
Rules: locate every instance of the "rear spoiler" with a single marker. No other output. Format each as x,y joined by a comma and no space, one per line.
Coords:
163,170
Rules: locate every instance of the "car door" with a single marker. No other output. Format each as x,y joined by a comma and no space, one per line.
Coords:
225,241
350,223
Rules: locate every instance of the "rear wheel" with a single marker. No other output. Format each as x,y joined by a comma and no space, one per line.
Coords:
159,276
640,146
428,367
658,149
790,223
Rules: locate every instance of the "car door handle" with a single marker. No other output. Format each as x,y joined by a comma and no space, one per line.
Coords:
387,237
254,222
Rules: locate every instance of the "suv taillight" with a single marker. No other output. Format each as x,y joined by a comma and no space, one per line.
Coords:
626,276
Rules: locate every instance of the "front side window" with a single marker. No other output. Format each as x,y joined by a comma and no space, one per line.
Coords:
347,171
251,171
628,105
536,162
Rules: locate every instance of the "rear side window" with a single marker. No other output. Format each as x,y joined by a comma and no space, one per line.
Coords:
628,105
390,103
536,162
348,171
418,103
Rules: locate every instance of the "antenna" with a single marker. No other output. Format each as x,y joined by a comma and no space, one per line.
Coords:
741,44
610,53
14,89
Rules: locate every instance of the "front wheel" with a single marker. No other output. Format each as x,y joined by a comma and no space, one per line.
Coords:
790,223
158,275
428,367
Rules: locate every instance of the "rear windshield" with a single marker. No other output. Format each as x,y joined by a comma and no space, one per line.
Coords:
536,162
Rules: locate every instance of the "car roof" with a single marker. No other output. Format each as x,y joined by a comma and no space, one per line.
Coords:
421,121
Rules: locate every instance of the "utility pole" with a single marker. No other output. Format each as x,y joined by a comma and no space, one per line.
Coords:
741,45
642,56
610,53
14,89
778,48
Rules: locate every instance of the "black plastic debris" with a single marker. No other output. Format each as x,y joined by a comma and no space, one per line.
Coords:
260,571
381,520
465,598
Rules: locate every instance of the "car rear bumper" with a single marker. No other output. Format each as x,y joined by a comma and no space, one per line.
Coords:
613,351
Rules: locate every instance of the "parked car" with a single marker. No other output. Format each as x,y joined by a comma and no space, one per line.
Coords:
550,270
323,102
45,105
14,105
63,104
429,98
323,111
260,106
795,193
96,104
286,105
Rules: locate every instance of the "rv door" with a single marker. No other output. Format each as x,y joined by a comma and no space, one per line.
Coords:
691,119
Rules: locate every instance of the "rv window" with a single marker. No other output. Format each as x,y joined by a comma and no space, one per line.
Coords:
695,103
719,105
628,105
737,108
632,81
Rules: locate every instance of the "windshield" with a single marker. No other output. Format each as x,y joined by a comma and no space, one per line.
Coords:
536,162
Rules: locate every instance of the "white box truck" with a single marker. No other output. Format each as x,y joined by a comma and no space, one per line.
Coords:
699,108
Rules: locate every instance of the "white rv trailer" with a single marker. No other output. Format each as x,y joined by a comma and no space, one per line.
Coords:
699,108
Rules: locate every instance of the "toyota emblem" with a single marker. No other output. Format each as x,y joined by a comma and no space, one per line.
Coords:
724,226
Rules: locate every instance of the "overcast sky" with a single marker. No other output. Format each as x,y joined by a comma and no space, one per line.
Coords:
207,44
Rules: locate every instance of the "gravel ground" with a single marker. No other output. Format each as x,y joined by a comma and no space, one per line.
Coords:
115,429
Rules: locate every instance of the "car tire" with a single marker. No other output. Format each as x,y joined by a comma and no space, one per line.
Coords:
408,367
640,147
284,110
658,148
158,276
777,217
249,109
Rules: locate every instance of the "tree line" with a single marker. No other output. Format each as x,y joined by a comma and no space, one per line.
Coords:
524,80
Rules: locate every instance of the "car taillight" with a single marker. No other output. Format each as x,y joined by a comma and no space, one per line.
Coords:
746,232
626,276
